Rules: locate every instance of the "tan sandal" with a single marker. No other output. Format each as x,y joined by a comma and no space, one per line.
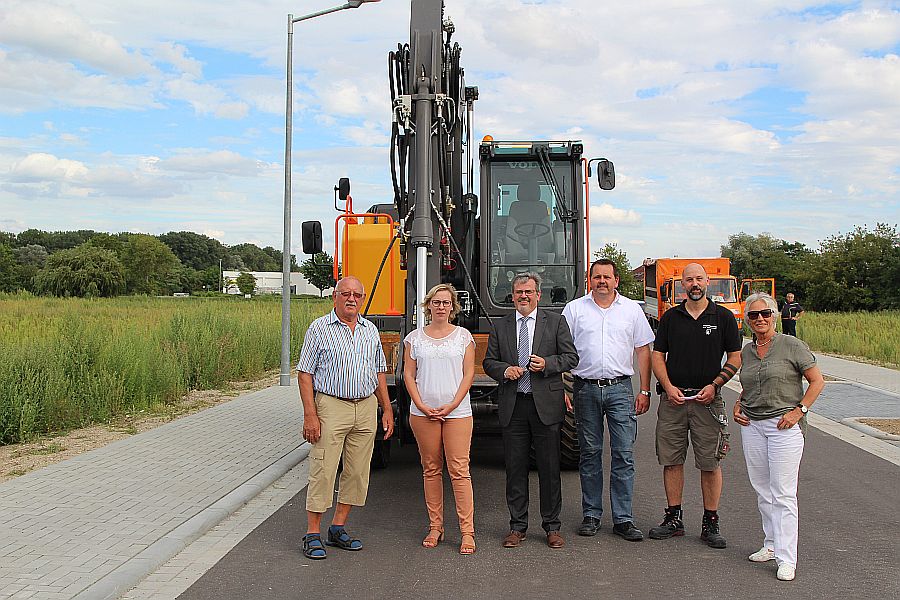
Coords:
467,547
434,537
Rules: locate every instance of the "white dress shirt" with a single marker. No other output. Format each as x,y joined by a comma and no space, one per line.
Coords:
606,337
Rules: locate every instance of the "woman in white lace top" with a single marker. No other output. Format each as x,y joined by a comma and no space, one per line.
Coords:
439,367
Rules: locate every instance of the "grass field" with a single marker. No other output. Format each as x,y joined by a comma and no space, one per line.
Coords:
65,363
872,336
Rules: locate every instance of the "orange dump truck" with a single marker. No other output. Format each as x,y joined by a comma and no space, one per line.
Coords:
661,281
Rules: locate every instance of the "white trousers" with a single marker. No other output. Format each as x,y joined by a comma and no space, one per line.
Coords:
773,463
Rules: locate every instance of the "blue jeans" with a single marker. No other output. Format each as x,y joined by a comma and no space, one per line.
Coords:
616,402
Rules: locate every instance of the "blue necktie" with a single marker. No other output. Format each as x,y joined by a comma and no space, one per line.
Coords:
524,383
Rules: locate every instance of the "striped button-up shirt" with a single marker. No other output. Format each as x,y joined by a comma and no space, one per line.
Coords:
344,363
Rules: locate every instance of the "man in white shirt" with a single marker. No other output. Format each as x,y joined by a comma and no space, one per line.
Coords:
608,329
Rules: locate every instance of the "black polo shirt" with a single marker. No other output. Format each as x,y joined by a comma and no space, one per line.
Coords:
694,347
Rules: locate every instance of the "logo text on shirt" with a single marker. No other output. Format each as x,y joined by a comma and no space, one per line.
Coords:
709,328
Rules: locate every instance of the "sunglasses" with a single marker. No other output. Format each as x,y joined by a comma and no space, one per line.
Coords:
755,314
356,295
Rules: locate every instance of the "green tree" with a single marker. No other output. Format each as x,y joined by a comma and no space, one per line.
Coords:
82,271
855,271
9,270
195,250
31,259
255,258
246,283
763,256
628,285
319,271
149,265
116,243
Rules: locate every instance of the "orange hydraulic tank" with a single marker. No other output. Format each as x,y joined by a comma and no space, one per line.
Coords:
364,245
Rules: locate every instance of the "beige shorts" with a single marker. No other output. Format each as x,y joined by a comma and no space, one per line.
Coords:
348,430
675,424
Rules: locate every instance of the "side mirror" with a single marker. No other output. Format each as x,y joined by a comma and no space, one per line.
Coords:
343,188
606,174
312,237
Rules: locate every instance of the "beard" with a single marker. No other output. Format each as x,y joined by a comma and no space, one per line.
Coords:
695,293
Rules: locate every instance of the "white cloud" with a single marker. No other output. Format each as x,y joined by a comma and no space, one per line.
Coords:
176,55
212,163
46,167
59,33
607,214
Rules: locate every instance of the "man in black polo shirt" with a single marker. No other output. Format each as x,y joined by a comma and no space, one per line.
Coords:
687,361
790,313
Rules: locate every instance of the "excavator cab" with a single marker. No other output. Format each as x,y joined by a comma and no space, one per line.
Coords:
532,218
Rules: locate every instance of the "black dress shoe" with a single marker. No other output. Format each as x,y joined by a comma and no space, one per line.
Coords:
628,531
589,526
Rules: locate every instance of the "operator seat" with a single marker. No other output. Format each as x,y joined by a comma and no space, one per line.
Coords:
529,210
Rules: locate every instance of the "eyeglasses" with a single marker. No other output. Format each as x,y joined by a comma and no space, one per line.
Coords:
357,295
755,314
525,292
439,303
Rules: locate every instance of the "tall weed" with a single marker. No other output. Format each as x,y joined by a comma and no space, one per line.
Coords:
65,363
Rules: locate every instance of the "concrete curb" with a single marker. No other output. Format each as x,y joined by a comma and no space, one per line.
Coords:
129,574
854,422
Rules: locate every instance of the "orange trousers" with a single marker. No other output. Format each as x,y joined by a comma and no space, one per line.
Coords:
450,439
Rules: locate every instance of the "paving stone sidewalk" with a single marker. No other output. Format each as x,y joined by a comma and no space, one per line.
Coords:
94,525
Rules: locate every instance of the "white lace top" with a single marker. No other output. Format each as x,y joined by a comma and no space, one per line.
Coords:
439,369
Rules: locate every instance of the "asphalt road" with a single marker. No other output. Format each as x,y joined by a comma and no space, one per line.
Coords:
849,542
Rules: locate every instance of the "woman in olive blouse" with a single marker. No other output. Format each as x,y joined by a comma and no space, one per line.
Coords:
772,410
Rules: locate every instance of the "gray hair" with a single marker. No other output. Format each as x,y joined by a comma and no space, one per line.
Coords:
523,277
769,300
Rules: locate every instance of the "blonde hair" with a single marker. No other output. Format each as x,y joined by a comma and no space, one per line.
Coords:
455,307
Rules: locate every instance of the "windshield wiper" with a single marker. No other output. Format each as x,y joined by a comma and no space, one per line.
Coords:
563,212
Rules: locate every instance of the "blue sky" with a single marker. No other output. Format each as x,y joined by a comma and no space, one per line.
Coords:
779,117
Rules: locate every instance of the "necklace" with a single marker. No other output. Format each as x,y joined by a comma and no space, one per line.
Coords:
758,345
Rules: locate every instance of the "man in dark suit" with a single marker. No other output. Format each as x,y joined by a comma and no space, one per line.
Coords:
527,353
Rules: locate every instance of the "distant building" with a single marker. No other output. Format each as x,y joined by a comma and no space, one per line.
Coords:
269,282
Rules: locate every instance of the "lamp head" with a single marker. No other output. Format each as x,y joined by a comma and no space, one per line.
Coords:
357,3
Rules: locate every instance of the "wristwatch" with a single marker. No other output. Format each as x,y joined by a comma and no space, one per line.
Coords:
803,408
646,393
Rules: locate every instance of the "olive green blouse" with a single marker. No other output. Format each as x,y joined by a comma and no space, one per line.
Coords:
773,385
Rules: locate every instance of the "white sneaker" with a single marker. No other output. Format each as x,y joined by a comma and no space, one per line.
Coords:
786,572
762,555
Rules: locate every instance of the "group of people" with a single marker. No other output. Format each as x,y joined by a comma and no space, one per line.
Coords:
697,349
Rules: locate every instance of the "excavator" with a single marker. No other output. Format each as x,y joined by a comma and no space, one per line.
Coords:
530,213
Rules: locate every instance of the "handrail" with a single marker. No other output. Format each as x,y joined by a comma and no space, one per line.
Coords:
587,220
391,309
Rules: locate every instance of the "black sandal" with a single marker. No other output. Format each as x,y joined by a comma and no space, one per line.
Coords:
312,547
341,539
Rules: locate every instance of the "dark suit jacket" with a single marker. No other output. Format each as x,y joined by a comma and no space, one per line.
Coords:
552,342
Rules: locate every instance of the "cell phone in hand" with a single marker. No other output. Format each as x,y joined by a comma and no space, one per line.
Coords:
694,397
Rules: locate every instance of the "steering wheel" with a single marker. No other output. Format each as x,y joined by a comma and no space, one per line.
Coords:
531,230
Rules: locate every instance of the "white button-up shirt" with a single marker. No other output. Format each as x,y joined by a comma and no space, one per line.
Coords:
606,337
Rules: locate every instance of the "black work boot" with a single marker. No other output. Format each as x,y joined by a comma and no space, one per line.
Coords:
672,526
710,533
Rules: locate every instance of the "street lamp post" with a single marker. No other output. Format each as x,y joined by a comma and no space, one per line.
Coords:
285,378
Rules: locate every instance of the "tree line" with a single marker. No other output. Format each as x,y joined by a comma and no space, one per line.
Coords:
858,270
88,263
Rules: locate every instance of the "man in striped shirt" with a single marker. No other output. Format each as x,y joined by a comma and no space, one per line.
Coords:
341,373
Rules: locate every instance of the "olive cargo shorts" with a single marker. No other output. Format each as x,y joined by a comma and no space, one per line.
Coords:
674,424
348,428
